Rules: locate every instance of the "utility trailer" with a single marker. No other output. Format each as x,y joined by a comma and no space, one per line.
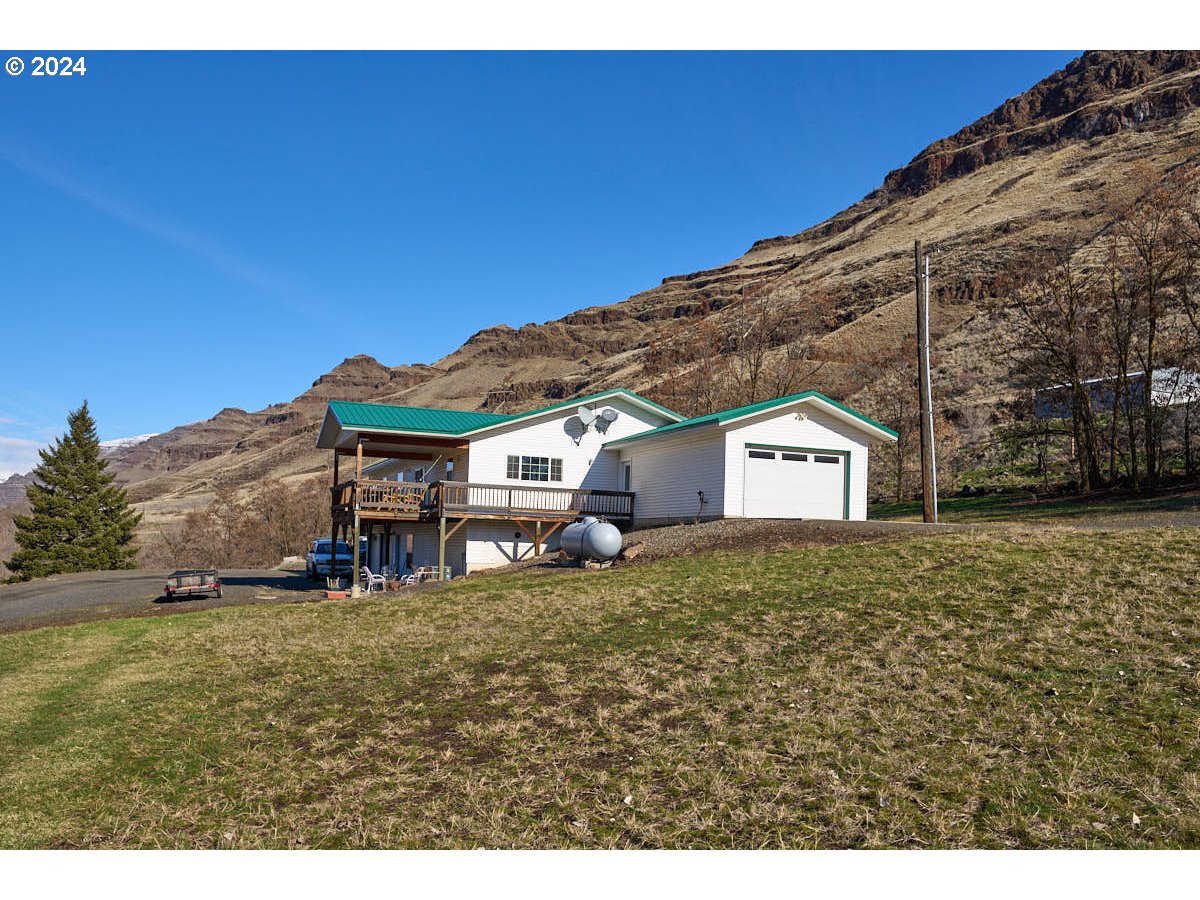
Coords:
189,582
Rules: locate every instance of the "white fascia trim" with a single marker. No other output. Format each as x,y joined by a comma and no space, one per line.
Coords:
836,412
534,416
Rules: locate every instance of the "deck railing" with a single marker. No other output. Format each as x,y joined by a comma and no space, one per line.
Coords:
417,500
386,497
464,497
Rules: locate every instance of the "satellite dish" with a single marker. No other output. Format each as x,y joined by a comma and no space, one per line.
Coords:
587,416
609,415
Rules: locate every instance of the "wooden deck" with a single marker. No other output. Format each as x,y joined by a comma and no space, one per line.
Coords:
419,502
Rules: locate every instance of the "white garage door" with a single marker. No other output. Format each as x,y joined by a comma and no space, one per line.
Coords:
794,484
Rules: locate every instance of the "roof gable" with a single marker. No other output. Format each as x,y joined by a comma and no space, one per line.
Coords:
350,415
576,402
729,416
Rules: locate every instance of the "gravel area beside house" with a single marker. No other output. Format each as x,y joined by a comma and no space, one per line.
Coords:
737,534
768,534
88,596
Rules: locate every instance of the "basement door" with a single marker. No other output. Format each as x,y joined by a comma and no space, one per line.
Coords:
795,483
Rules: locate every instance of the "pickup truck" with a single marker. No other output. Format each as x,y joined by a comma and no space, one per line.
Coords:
189,582
318,558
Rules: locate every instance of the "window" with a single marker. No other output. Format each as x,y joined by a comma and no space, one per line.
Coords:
534,468
796,457
827,459
761,454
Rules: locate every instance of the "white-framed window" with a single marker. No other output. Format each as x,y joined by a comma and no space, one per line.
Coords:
534,468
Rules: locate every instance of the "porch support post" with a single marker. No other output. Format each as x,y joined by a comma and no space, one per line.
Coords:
333,521
441,547
537,538
385,558
355,591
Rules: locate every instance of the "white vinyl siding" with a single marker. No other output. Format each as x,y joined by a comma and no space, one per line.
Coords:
584,464
669,471
405,470
425,547
491,544
818,431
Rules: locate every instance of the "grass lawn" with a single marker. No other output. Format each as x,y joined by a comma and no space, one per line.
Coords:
1115,509
1032,689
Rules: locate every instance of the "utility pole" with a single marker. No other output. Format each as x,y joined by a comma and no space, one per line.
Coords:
928,466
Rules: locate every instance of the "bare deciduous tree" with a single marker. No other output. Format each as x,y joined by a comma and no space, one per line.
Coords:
1056,316
1117,326
275,521
758,347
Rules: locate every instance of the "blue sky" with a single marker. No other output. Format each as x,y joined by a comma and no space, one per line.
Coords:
278,212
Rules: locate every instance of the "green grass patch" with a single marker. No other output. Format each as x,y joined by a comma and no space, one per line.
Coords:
969,690
1026,506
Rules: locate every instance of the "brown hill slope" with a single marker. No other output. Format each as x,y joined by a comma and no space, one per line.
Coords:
1041,166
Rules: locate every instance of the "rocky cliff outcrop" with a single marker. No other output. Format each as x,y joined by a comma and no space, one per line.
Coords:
1101,93
12,489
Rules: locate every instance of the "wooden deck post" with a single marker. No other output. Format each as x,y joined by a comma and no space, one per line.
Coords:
333,521
355,591
385,558
441,547
537,538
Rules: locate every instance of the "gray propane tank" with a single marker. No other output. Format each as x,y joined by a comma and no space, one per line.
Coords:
589,538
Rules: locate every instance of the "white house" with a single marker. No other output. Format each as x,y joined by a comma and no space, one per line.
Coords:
469,490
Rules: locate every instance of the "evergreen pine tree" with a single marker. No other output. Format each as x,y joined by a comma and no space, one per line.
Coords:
79,520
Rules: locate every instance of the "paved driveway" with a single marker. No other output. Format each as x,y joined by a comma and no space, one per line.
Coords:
86,596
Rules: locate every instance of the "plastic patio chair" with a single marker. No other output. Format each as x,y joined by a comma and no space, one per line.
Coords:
372,581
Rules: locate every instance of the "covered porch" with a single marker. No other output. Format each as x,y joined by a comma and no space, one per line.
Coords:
427,511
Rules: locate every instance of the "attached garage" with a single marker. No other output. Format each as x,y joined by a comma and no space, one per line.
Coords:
795,483
798,457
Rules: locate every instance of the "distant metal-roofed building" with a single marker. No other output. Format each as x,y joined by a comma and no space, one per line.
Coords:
1170,386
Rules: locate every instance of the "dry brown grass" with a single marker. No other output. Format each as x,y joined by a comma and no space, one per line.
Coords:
984,689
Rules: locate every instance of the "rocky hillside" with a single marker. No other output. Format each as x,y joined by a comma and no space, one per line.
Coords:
12,489
1040,167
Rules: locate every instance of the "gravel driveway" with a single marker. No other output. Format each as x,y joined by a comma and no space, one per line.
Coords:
86,596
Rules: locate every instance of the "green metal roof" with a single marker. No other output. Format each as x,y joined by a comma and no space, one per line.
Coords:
738,412
355,416
380,416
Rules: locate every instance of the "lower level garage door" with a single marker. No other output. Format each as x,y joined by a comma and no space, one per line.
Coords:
794,484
